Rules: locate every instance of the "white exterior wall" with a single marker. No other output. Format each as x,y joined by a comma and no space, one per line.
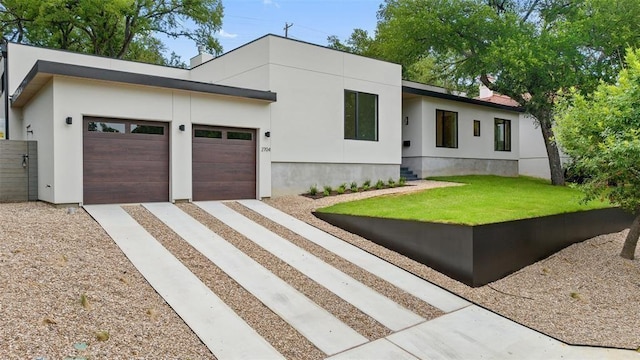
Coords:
40,115
21,59
60,165
307,125
533,153
474,155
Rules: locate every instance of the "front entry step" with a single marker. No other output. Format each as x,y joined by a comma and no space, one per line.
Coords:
408,174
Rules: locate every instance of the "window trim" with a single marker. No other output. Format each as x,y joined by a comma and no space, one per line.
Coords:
456,126
377,115
507,132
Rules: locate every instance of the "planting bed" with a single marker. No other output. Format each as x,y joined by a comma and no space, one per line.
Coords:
479,254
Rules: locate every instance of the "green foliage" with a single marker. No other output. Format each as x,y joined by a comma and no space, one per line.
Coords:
358,43
102,335
313,190
354,186
484,199
84,301
379,184
341,189
528,50
327,189
391,182
402,181
367,183
116,28
601,132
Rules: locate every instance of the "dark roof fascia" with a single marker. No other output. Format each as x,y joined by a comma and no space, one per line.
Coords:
423,92
85,72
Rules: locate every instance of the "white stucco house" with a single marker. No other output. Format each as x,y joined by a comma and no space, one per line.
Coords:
269,118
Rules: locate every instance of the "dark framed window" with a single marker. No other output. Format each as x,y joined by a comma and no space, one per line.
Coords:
106,127
237,135
502,135
476,127
360,116
147,129
212,134
446,129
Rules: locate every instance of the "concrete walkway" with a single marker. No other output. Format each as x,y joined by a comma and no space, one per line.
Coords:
217,325
466,331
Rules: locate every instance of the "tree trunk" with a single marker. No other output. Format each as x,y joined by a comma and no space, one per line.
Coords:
555,165
630,243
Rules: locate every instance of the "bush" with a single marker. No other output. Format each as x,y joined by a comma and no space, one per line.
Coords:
327,190
402,181
313,190
379,184
341,189
391,182
354,186
366,183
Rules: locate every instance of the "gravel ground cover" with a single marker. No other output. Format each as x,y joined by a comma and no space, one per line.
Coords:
50,260
585,294
66,287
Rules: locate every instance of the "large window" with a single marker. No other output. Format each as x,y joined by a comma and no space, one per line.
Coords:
503,135
446,129
360,116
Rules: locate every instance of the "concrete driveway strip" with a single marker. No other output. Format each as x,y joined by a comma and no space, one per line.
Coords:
475,333
219,328
379,349
420,288
372,303
324,330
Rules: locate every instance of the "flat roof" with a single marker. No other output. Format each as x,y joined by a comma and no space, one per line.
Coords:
443,95
42,71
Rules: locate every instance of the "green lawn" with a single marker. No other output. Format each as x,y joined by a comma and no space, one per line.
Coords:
483,200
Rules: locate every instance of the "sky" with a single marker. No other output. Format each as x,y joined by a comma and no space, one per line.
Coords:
313,21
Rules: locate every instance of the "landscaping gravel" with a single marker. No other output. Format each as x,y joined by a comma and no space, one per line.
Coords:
52,258
49,259
585,294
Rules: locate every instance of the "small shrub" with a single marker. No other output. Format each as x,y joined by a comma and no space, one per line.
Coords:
365,187
84,301
313,190
402,181
366,183
326,193
575,295
354,186
341,189
391,182
379,184
328,189
102,335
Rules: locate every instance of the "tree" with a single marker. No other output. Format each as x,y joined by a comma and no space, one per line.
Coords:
121,29
532,48
601,132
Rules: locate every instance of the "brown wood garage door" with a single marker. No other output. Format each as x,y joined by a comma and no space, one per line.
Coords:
224,163
125,161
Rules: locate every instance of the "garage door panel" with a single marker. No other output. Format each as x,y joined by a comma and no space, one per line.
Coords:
226,172
125,167
224,190
117,170
217,153
223,168
113,149
112,192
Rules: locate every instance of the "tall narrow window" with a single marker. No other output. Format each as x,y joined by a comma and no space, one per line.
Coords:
503,135
446,129
360,116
